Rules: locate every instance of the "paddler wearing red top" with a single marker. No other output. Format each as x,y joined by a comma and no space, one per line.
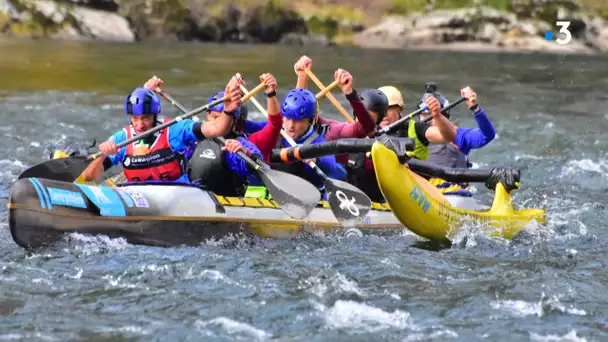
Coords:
365,123
334,129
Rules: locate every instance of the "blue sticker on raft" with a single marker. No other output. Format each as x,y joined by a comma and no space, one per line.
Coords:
126,198
105,198
66,198
40,191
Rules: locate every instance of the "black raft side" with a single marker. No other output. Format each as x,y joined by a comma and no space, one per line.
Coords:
34,221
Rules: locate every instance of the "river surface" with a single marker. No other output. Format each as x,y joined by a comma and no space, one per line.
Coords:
549,284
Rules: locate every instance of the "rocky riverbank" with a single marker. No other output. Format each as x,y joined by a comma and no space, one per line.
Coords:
518,26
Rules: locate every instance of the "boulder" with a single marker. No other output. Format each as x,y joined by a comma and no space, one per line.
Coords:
196,20
486,28
102,25
55,20
268,23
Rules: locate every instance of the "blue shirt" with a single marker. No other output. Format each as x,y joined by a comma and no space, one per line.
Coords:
237,164
182,136
254,126
326,163
468,139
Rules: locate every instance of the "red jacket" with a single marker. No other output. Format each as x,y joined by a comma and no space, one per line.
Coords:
266,138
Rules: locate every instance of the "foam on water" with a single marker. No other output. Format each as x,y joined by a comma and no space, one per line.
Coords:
544,306
223,327
337,284
361,317
572,336
575,167
84,245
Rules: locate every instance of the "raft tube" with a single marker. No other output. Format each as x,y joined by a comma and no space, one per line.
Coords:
42,212
427,212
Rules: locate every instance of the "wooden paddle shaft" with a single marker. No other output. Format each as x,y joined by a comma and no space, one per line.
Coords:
166,124
326,90
329,95
254,91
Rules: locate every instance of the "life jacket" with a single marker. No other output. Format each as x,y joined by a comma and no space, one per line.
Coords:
421,151
209,167
155,162
299,168
296,168
449,155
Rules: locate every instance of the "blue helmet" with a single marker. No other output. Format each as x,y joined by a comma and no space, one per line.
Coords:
299,104
142,102
220,106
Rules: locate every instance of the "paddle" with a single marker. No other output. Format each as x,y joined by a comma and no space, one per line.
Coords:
348,204
410,116
68,169
330,96
281,185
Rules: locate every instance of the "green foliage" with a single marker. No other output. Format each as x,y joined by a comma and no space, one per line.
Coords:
328,27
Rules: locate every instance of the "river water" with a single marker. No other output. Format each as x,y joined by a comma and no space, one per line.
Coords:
549,284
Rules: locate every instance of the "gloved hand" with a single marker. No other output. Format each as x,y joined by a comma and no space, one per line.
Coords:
507,176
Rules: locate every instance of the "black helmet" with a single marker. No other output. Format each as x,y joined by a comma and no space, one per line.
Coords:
244,111
239,124
375,100
430,89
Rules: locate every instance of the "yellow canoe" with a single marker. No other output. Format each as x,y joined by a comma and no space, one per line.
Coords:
424,210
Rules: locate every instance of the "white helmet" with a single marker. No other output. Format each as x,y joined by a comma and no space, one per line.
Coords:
393,95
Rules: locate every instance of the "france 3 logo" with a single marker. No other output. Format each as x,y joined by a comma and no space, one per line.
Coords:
564,35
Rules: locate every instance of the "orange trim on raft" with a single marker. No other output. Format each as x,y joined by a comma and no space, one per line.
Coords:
296,153
284,157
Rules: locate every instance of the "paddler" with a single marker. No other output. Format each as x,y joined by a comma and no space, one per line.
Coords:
360,167
441,131
333,129
455,154
160,157
264,139
300,121
385,105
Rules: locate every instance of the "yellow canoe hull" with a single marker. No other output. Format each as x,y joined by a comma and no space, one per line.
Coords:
422,208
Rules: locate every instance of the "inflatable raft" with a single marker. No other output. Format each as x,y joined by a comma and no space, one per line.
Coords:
425,211
42,212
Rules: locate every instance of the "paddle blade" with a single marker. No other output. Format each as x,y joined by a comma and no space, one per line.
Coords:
64,169
349,204
296,196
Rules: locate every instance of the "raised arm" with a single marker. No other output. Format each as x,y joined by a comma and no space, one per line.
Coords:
303,63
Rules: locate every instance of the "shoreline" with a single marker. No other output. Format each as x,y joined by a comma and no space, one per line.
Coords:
469,29
466,47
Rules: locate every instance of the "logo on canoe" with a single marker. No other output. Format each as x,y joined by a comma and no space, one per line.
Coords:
66,198
207,154
100,195
346,203
420,198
